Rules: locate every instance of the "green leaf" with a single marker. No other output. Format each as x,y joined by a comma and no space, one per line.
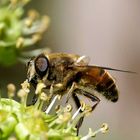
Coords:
8,56
9,105
7,123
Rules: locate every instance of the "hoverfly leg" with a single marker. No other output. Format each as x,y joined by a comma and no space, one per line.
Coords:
93,99
51,91
34,99
70,92
78,104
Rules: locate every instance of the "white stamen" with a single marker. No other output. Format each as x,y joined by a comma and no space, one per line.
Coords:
76,113
91,134
51,104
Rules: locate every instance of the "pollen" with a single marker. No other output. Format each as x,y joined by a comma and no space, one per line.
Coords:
39,87
25,86
104,127
43,96
69,108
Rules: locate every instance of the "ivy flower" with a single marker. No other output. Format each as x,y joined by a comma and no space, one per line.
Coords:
21,122
18,32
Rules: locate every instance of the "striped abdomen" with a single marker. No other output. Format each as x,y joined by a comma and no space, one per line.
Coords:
102,81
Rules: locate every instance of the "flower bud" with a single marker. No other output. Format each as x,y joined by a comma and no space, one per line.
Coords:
11,90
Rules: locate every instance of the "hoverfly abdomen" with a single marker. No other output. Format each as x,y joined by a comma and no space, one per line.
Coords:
103,83
108,87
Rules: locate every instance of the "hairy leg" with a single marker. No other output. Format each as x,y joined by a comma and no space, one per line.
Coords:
78,104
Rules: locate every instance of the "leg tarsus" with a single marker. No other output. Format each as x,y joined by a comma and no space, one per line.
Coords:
70,92
93,98
78,104
90,96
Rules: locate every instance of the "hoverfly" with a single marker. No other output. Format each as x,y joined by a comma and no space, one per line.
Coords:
62,70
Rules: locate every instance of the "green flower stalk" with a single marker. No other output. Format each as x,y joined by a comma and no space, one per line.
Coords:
21,122
18,32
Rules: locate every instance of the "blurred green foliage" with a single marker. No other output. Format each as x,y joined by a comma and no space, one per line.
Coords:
22,122
18,32
30,123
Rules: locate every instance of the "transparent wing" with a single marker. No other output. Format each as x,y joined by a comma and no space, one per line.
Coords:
82,61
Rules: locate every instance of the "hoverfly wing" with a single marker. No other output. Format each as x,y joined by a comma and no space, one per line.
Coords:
82,61
113,69
107,68
100,80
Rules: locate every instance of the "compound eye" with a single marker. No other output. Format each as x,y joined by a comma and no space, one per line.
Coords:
41,65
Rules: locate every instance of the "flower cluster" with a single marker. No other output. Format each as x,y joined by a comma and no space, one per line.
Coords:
21,122
18,32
